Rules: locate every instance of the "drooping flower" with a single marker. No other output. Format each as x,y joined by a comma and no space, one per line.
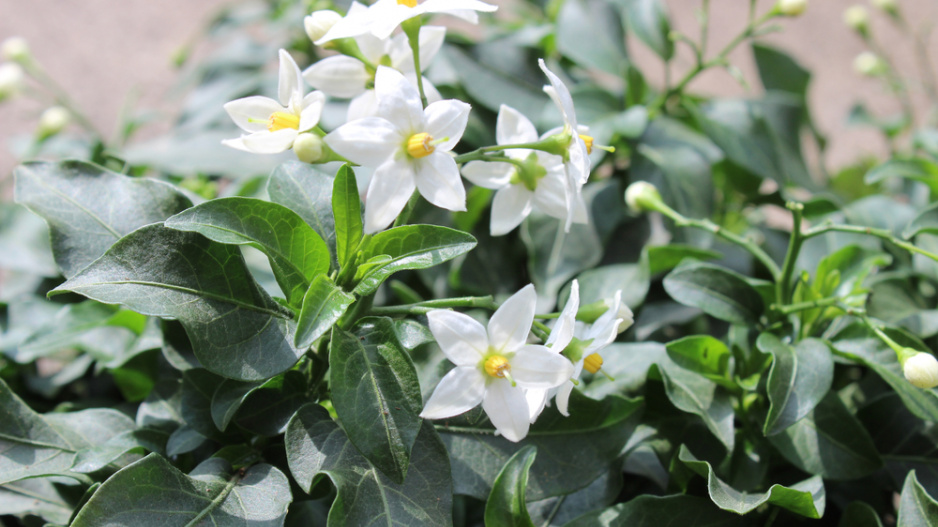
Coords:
539,181
408,146
494,365
273,125
383,17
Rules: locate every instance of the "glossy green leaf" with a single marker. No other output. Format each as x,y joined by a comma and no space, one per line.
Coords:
347,210
410,247
806,498
925,222
131,441
236,330
702,354
505,506
316,445
88,208
717,291
663,258
139,494
323,305
376,395
800,377
306,190
916,507
648,19
779,71
829,442
651,511
558,510
859,514
694,393
590,33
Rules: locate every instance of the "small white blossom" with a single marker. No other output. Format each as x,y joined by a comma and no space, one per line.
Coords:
921,370
318,23
383,17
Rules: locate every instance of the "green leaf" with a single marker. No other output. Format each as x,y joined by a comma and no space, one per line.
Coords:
859,514
24,242
925,222
323,305
590,33
702,354
316,445
555,256
36,497
130,441
916,169
779,71
139,493
718,292
800,377
78,326
236,330
306,190
648,19
582,447
410,247
271,405
651,511
505,506
88,208
492,88
601,283
558,510
695,394
376,394
297,254
916,507
829,442
347,210
663,258
806,498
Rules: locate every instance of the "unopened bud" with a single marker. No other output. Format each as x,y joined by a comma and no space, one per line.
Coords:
857,18
792,7
921,369
320,22
52,121
889,6
308,147
15,49
11,79
626,316
642,196
867,63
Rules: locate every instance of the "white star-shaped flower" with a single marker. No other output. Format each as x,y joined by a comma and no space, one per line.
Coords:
273,125
408,146
494,365
383,17
539,183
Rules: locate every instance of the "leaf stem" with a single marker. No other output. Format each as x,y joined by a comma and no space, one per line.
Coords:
879,233
805,306
412,30
783,284
422,308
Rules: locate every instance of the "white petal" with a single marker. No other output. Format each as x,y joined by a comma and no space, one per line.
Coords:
289,86
562,332
459,391
386,15
447,6
507,409
370,141
365,105
439,182
447,119
560,94
513,127
252,114
237,144
511,323
538,367
338,76
510,207
461,338
563,398
399,101
391,186
373,48
270,142
433,95
579,160
354,23
312,110
431,40
550,196
537,400
488,175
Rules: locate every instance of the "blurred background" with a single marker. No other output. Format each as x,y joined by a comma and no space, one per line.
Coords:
116,54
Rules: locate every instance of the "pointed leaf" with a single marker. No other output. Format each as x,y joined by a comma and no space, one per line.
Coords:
859,514
663,258
347,209
323,305
505,506
590,33
653,511
264,408
800,377
916,507
649,20
700,396
235,328
719,292
926,221
307,191
702,354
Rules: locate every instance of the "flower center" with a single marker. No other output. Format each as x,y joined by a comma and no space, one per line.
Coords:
593,363
420,145
408,3
589,143
282,120
497,366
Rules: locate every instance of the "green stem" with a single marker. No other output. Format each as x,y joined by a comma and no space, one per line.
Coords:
412,30
747,244
805,306
783,285
422,308
879,233
540,330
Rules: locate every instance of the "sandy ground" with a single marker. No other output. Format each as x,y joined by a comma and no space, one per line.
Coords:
104,51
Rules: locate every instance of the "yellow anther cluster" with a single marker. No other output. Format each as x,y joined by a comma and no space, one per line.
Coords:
589,143
283,120
593,363
497,366
408,3
420,145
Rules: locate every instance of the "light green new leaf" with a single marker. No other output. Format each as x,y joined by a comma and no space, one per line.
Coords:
653,511
505,506
323,305
236,330
347,210
88,208
916,507
694,393
376,394
702,354
306,190
800,377
316,445
297,254
152,492
648,19
410,247
718,292
590,33
806,498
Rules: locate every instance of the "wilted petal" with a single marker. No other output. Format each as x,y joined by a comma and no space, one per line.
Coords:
461,338
399,101
312,110
538,367
510,207
338,76
513,127
507,409
459,391
369,141
447,119
562,332
488,175
511,323
391,186
252,114
439,182
289,79
270,142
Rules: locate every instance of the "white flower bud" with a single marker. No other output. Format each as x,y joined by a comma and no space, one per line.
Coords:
792,7
308,147
319,23
921,370
642,196
11,79
15,49
857,18
625,314
53,121
867,63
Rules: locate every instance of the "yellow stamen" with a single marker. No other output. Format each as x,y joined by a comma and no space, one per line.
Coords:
283,120
420,145
408,3
593,363
497,366
589,143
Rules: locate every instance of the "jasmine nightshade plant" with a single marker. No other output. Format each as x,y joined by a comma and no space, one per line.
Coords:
382,18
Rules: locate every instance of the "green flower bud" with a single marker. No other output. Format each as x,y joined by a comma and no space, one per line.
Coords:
52,121
642,196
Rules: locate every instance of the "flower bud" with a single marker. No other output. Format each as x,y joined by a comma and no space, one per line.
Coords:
53,121
792,7
15,49
921,369
642,196
857,18
868,64
889,6
627,317
308,147
320,22
11,79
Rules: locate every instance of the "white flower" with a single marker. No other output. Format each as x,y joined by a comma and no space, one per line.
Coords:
318,23
383,17
11,79
409,148
792,7
494,365
921,370
538,183
274,125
